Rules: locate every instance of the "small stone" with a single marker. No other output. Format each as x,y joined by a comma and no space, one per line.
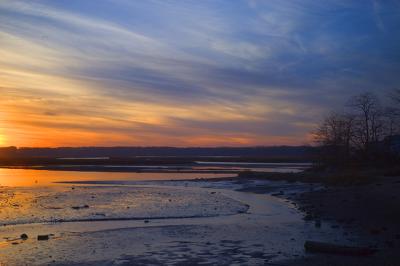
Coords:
374,231
389,243
308,217
317,224
42,237
24,236
80,207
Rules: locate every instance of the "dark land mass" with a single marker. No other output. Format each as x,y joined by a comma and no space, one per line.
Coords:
296,153
125,161
129,158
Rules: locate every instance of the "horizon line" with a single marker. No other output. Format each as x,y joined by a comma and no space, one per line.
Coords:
175,147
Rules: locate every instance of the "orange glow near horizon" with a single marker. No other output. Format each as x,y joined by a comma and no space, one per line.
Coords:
2,140
93,82
46,118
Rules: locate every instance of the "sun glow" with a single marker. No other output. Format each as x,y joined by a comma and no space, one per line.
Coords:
2,140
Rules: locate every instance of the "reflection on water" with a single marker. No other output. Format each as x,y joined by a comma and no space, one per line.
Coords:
26,177
31,177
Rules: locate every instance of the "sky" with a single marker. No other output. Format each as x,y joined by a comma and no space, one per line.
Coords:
187,73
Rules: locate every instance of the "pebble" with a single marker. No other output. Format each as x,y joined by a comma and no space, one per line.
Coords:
42,237
317,223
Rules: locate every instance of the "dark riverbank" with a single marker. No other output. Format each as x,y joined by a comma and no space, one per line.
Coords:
365,204
369,211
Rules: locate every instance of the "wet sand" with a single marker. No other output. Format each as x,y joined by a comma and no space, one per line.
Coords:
209,222
216,225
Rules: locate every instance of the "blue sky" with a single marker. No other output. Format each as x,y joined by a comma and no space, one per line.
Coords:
187,73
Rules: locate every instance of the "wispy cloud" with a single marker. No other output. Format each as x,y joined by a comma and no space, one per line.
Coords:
186,73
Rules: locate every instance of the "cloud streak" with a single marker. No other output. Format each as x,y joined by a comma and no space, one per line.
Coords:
117,72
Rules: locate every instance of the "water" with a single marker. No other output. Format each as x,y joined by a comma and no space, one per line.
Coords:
93,203
216,225
106,222
29,177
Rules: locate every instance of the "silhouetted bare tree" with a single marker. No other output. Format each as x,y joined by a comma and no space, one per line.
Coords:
369,124
392,121
362,133
335,135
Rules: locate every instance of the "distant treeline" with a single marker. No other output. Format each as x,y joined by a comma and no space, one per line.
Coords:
295,153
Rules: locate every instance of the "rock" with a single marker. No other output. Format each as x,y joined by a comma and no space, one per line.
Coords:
318,224
374,231
24,236
80,207
42,237
308,217
280,193
389,243
321,247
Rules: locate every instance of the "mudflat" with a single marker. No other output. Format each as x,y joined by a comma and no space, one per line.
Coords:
248,221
